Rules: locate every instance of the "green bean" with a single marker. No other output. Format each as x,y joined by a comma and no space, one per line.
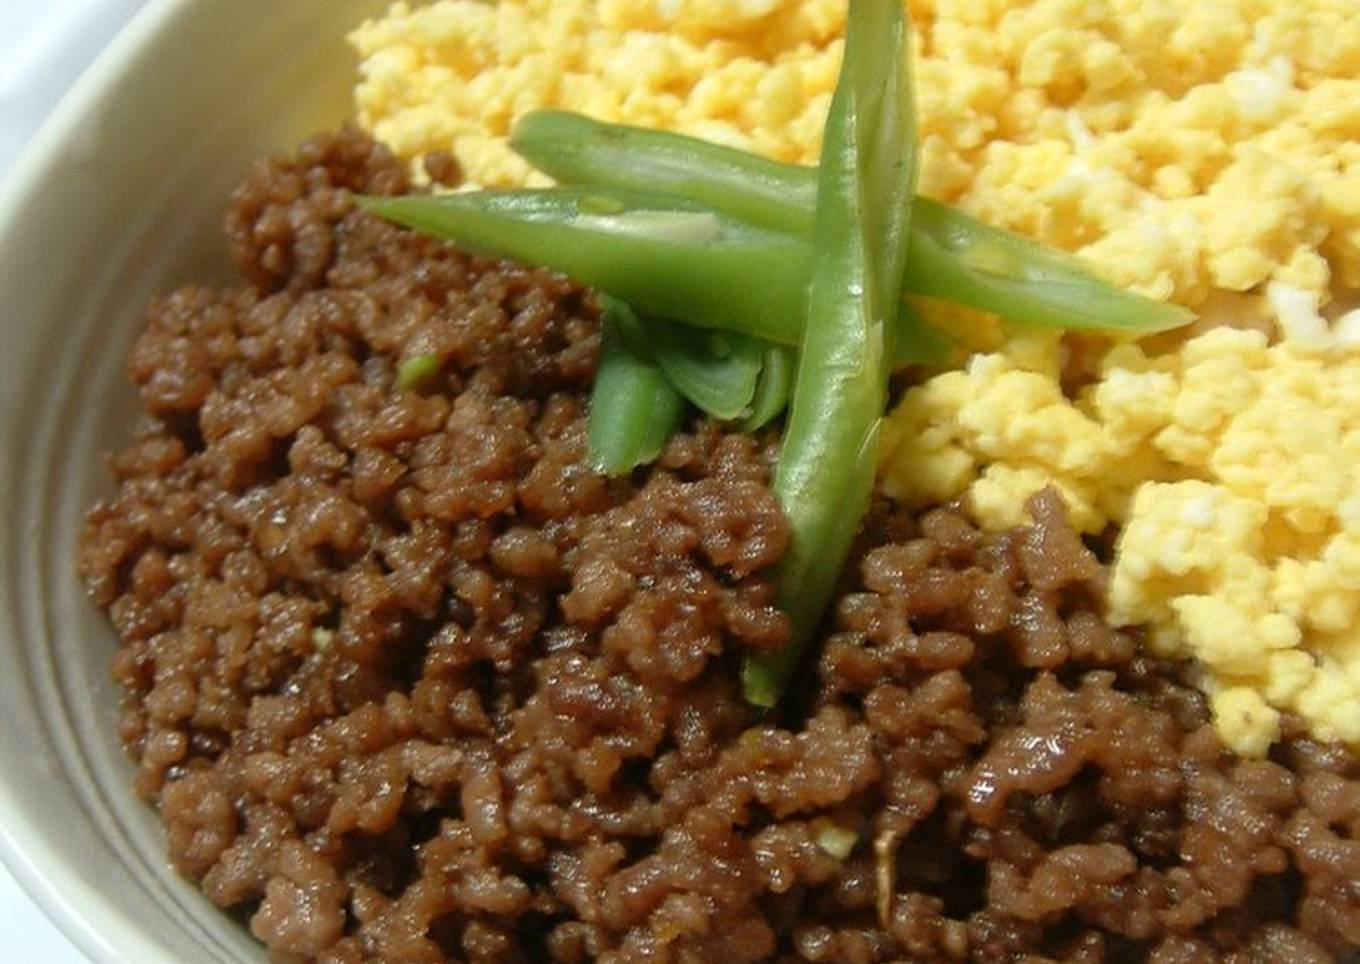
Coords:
715,370
966,261
633,408
663,256
575,149
826,464
772,387
953,256
626,325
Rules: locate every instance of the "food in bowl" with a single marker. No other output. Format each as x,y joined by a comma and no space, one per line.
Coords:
410,678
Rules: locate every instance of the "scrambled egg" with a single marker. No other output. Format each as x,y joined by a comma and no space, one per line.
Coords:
1206,152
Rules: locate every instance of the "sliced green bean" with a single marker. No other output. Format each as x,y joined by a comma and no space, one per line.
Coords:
961,259
953,256
575,149
634,410
830,449
663,256
626,325
772,387
716,370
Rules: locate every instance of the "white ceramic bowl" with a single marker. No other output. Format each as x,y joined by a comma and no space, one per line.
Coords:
120,196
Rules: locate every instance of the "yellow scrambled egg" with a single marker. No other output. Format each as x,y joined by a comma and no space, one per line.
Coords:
1207,152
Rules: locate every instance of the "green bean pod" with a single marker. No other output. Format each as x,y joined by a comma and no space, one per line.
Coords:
716,370
825,473
634,409
773,386
575,149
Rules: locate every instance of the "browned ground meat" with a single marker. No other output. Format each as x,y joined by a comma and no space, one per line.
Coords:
410,684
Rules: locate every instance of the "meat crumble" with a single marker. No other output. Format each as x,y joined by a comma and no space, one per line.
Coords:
408,682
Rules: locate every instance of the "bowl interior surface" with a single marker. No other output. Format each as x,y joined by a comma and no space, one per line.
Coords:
120,197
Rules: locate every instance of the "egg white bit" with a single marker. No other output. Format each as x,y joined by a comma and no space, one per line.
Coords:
1259,94
1303,325
1078,133
681,227
1080,174
1346,330
1200,513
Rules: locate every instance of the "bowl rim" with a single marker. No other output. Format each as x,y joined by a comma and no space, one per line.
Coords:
63,898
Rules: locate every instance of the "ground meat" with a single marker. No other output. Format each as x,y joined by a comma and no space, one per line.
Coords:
409,683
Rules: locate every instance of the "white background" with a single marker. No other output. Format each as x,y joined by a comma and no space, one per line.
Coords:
44,46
